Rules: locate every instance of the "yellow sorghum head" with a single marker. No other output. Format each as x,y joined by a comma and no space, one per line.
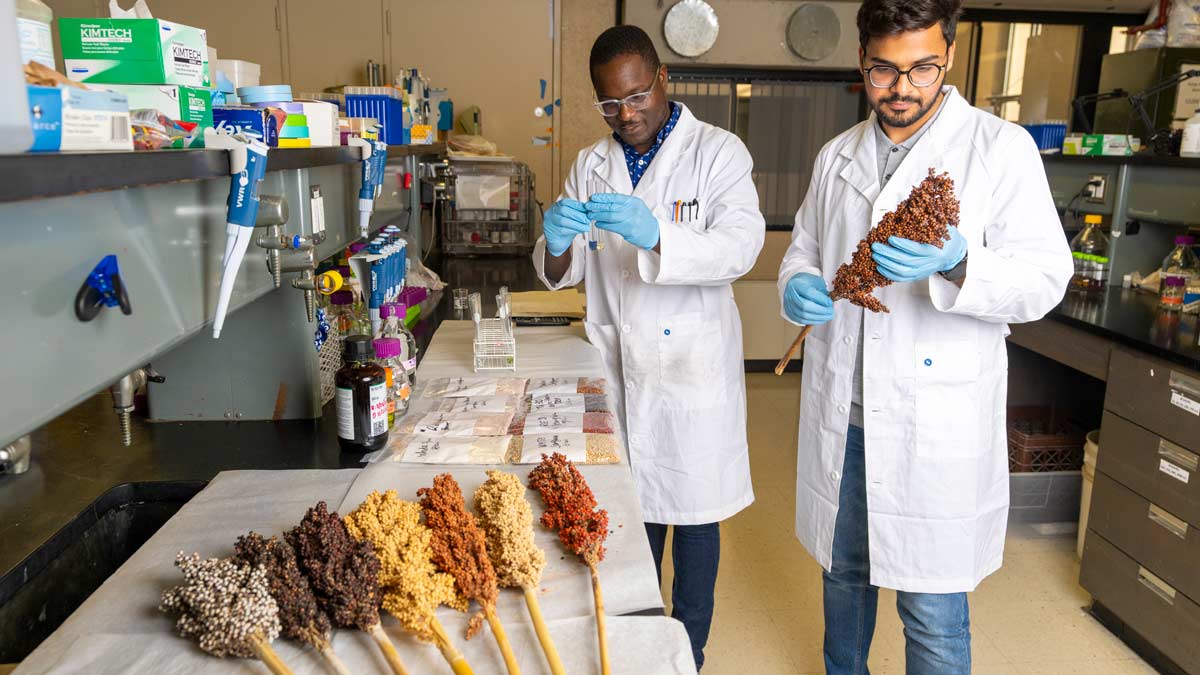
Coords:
412,587
507,521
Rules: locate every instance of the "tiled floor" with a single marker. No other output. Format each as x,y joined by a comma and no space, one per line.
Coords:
1026,618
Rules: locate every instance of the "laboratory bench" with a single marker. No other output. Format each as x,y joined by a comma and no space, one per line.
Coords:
1141,546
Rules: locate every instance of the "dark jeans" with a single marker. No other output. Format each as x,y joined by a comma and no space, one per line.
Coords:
937,626
695,552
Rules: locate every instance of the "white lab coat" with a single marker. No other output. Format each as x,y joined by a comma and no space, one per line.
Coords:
935,368
667,326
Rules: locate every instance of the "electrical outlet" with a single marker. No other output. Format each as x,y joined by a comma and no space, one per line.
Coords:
1097,185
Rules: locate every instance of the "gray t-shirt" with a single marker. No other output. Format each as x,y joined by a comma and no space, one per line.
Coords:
889,156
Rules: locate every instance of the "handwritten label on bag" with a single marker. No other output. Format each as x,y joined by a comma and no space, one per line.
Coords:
1178,473
1184,403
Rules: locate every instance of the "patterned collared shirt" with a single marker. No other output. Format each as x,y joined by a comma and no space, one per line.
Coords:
638,163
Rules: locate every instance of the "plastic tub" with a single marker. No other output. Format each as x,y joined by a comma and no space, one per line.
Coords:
240,73
265,94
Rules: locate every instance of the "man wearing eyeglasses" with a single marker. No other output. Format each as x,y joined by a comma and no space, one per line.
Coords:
902,470
657,220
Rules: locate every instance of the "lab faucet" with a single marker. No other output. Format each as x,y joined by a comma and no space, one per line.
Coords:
291,252
14,457
123,391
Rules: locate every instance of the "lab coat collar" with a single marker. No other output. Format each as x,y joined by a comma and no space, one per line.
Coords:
613,172
862,171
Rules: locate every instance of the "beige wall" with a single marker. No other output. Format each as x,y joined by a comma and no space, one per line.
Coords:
579,123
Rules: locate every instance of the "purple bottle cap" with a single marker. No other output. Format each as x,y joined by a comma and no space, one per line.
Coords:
400,309
1184,240
1173,281
357,246
387,348
341,298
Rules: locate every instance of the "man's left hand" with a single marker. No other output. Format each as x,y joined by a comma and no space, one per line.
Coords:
625,215
903,260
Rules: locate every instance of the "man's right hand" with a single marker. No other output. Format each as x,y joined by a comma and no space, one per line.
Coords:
806,300
563,221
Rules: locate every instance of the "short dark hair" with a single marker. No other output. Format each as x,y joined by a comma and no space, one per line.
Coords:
879,18
621,40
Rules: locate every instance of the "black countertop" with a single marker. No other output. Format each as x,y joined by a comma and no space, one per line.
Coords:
1140,159
1132,319
57,174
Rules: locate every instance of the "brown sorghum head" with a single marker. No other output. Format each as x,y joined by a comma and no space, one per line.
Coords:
458,543
343,571
299,613
570,507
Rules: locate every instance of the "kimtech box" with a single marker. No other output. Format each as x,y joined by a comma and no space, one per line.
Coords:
179,103
134,51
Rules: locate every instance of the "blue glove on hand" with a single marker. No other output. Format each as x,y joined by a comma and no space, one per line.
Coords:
626,216
563,221
903,260
806,300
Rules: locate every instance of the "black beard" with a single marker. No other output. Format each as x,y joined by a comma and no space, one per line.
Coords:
903,122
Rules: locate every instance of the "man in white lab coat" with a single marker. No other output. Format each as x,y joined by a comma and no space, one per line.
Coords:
676,221
902,471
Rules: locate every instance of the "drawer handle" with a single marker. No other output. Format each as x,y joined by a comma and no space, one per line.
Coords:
1168,522
1178,455
1159,587
1185,384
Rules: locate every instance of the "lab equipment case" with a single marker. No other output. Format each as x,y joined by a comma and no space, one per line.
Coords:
489,207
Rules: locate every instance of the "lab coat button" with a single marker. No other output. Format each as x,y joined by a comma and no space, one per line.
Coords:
833,475
624,274
928,362
626,328
846,339
841,408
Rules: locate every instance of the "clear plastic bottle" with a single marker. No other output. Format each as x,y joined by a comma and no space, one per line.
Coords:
341,314
394,327
1179,269
387,353
1090,250
34,18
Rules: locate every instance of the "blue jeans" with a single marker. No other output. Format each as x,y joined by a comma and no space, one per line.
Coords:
695,552
937,626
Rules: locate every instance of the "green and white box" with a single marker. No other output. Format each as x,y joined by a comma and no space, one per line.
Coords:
185,104
134,51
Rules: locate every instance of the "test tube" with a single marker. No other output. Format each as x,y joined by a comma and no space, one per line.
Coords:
476,302
594,186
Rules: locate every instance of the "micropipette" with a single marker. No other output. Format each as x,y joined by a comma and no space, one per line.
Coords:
242,212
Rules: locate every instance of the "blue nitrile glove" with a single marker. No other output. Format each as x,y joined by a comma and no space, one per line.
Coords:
564,221
806,300
904,260
626,216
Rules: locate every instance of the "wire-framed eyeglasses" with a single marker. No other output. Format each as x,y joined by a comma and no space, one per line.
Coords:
885,77
612,107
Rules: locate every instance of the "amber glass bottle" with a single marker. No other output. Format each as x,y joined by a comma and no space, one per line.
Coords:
361,398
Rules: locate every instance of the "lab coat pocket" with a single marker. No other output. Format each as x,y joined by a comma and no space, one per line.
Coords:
689,354
947,415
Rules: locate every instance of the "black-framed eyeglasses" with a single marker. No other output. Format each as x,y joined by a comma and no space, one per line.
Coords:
885,77
612,107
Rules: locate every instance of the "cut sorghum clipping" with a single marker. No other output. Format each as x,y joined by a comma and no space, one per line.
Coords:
223,604
571,508
343,571
924,216
411,585
507,520
299,614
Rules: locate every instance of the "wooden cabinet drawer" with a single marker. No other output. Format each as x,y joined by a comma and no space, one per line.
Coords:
1156,538
1160,613
1159,470
1156,395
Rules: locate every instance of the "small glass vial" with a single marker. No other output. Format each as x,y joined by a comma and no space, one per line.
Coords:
387,354
1173,290
361,397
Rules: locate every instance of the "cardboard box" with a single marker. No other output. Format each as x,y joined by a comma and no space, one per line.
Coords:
258,123
1096,145
95,120
185,104
134,51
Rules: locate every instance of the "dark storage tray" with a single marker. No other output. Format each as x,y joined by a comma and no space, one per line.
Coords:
38,595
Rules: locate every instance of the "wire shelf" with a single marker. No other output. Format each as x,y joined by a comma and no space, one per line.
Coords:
330,358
